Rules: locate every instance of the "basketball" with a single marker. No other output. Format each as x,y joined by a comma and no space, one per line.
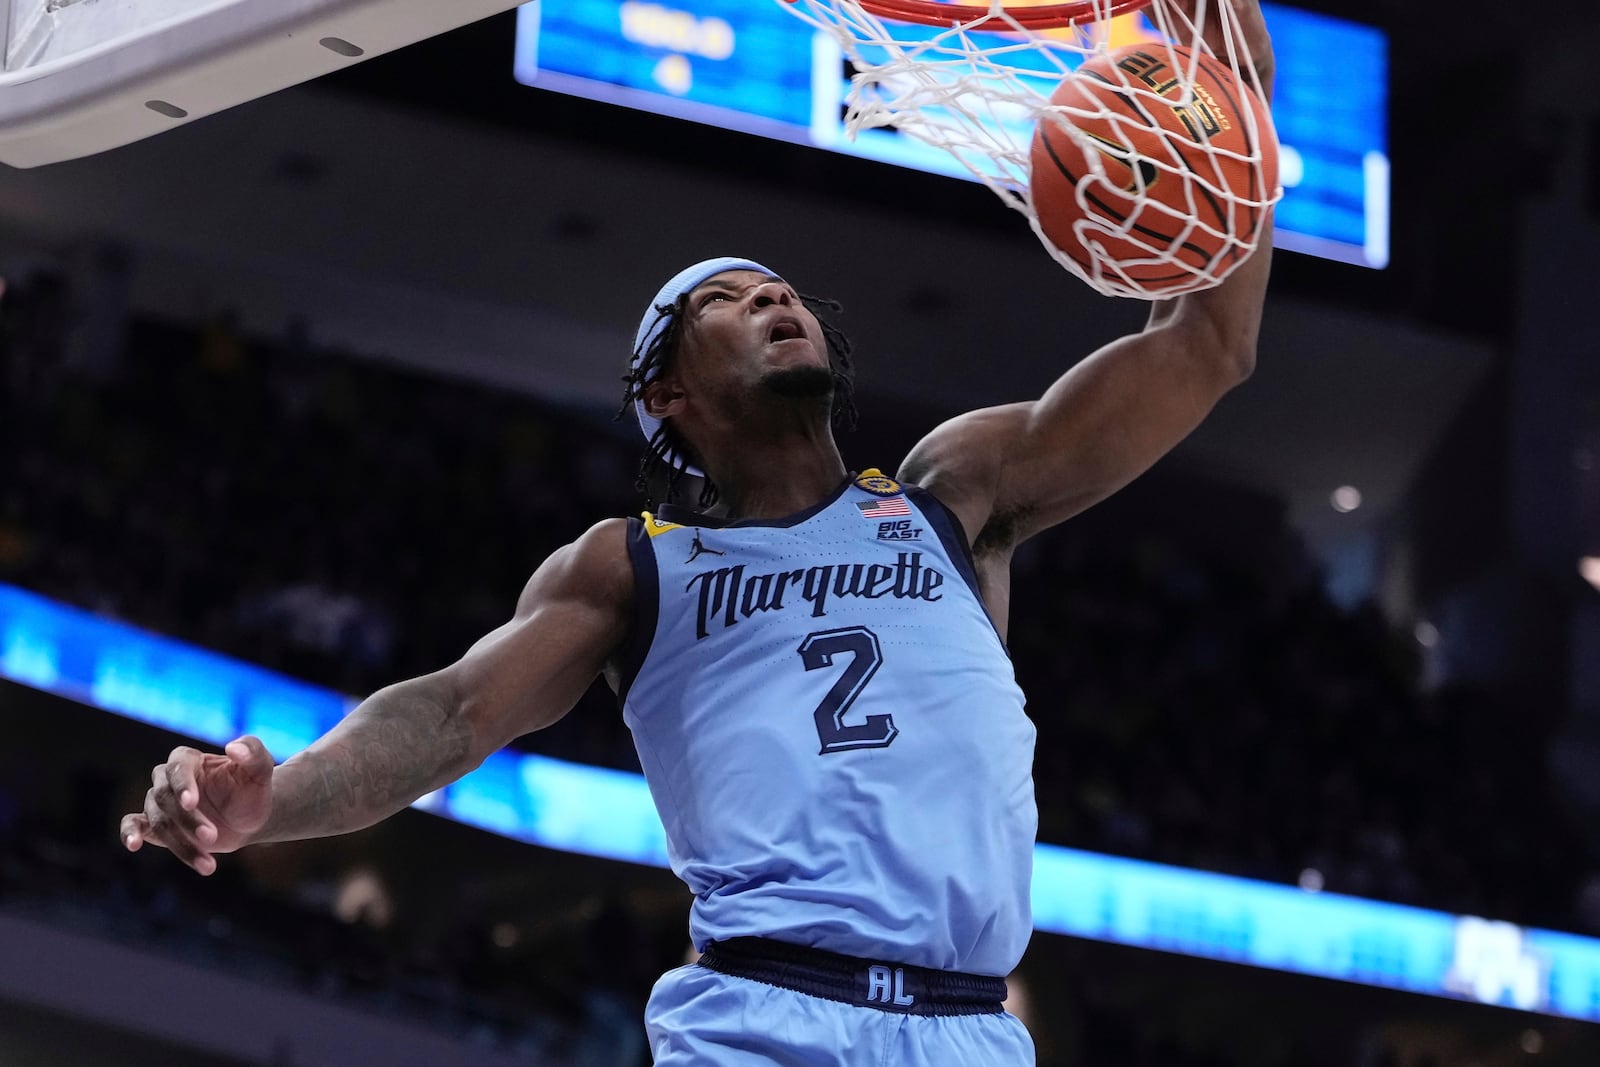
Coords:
1136,178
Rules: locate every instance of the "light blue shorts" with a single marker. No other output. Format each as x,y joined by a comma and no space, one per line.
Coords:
699,1017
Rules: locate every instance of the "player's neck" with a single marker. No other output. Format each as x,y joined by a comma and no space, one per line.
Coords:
776,475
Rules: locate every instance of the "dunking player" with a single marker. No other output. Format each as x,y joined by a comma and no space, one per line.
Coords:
816,681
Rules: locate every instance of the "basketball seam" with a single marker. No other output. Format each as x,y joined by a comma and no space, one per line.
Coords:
1125,94
1252,147
1146,231
1140,228
1138,111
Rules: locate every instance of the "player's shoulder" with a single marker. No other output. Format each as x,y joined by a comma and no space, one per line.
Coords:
968,446
594,567
959,462
603,547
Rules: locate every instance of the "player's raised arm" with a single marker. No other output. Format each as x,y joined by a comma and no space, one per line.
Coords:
1010,471
409,738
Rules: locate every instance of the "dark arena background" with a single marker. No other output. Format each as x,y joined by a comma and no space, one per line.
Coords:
294,398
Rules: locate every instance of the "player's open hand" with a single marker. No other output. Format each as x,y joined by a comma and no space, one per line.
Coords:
201,804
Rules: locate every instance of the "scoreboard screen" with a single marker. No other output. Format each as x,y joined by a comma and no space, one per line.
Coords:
749,65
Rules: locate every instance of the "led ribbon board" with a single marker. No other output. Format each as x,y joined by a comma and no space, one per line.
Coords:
749,65
608,813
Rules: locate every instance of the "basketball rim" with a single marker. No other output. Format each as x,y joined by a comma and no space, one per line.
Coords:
1030,17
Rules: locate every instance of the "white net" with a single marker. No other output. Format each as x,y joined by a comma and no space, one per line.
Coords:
1150,185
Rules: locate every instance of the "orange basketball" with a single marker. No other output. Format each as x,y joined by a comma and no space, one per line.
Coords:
1184,179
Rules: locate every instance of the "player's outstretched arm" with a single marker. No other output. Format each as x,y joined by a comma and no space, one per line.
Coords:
409,738
1010,471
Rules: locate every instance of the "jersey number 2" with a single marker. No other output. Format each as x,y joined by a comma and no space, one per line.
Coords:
818,651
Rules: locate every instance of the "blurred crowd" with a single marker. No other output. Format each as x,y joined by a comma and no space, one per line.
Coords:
327,927
1212,715
352,524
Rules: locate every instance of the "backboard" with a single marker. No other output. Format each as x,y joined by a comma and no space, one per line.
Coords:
81,76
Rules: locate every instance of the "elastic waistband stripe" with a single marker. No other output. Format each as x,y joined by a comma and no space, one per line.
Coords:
866,983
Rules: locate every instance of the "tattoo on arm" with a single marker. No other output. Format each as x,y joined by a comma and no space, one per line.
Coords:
398,744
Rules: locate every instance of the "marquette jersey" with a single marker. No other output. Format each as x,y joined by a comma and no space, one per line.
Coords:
832,731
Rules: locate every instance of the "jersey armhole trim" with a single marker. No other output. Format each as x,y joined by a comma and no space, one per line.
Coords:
948,527
646,608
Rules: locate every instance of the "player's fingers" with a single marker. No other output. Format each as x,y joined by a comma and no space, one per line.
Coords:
170,818
165,830
254,761
135,832
167,783
182,768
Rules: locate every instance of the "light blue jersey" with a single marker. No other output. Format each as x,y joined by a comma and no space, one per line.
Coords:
832,731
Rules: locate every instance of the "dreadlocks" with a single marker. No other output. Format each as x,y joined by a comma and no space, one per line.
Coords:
657,359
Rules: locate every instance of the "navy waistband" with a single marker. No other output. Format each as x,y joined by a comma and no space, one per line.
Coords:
866,983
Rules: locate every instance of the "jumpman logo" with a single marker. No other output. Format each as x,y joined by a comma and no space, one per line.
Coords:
699,549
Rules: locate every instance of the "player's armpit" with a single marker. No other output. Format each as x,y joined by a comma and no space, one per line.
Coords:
571,617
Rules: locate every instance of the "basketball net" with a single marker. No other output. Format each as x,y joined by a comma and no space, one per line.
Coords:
976,86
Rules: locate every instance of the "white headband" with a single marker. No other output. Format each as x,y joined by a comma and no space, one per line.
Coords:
654,322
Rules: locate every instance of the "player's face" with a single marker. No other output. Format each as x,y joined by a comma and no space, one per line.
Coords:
746,330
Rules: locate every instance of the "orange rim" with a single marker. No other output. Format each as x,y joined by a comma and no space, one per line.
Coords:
1042,17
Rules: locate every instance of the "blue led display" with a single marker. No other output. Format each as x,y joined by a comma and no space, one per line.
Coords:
750,65
1331,109
609,813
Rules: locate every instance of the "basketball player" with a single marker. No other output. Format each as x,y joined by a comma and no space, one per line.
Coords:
816,679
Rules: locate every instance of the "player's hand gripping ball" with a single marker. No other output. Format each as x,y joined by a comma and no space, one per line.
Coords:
1147,183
